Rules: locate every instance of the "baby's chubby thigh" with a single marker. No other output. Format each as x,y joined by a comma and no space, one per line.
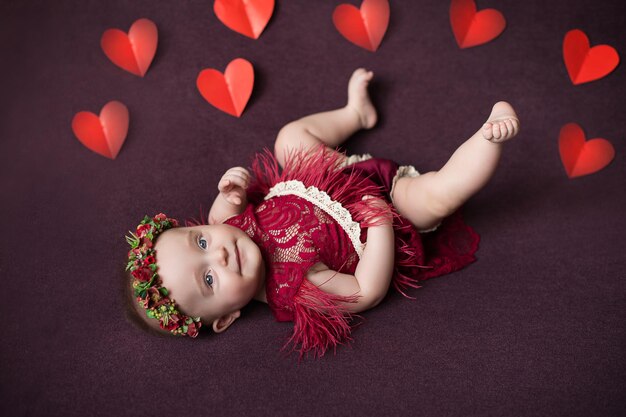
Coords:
420,200
296,136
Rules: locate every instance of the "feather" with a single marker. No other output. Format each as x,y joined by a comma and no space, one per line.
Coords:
321,322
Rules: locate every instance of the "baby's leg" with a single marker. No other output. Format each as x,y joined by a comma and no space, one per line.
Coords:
332,127
428,198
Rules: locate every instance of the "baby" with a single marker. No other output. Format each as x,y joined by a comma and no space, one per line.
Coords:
315,234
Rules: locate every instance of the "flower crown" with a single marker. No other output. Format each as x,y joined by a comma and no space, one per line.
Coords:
147,287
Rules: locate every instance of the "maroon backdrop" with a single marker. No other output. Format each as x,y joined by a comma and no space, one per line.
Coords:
534,327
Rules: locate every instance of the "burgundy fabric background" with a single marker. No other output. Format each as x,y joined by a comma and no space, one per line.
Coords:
534,328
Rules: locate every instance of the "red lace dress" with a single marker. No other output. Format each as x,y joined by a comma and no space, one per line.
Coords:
313,212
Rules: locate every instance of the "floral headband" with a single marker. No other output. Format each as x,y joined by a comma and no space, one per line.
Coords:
147,284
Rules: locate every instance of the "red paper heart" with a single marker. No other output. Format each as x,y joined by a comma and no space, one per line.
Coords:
471,28
585,64
248,17
133,52
582,157
231,91
105,134
364,27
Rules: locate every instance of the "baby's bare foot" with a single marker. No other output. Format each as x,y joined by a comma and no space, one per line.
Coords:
502,124
358,97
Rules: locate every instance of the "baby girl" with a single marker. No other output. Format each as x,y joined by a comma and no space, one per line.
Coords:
315,234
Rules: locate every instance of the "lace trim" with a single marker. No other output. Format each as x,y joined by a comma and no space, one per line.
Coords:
323,201
403,171
353,159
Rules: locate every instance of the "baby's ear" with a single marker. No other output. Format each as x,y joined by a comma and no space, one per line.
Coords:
222,323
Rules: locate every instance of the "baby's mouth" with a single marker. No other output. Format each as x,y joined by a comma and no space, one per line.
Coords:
238,257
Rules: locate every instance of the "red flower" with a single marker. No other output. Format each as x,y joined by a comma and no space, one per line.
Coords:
143,274
148,260
192,329
151,299
160,217
174,322
143,229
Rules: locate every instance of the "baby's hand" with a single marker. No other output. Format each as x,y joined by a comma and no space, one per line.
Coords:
381,213
233,185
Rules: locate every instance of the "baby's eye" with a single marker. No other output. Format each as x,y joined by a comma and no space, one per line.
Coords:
208,278
202,242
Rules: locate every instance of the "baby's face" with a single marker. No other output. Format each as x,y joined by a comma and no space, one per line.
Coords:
210,271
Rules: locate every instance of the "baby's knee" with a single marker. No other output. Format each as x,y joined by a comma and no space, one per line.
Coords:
292,137
286,140
421,200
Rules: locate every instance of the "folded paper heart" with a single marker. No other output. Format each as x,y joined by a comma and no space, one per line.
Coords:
247,17
585,64
133,52
364,27
230,91
582,157
473,28
104,134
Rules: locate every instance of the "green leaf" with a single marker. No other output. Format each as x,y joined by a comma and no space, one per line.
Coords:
133,239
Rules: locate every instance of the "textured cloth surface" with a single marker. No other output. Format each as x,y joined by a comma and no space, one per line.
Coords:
534,327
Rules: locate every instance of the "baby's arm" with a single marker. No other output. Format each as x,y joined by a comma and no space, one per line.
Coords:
232,198
372,276
373,273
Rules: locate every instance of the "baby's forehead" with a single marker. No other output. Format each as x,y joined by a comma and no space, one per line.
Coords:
174,237
182,234
187,229
197,227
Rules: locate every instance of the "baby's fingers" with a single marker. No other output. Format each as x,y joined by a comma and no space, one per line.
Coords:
239,172
236,181
235,197
230,181
380,214
224,185
374,200
238,176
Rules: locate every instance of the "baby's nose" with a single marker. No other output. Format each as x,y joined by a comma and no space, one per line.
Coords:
221,256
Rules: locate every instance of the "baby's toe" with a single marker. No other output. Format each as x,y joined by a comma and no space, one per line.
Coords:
504,131
515,123
487,131
509,127
365,77
359,73
496,131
